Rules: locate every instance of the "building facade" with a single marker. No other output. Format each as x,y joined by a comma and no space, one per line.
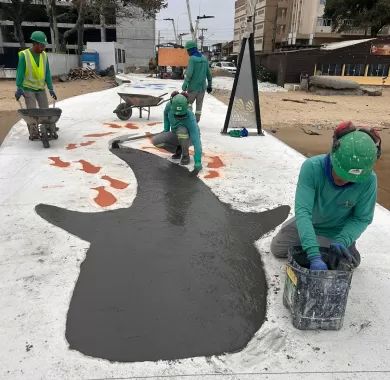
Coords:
136,34
290,23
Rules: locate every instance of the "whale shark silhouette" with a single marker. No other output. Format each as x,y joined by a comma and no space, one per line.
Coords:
175,275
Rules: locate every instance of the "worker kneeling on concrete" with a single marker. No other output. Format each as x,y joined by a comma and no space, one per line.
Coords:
335,199
195,77
180,131
33,73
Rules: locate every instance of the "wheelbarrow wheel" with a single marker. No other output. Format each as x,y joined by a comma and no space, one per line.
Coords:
123,111
45,138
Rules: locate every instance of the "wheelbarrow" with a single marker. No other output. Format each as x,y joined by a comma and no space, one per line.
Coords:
142,102
41,123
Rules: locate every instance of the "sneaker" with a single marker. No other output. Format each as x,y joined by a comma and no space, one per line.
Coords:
185,160
177,155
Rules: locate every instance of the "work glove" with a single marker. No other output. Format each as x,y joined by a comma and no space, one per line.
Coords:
209,90
19,92
184,87
197,168
316,263
341,251
53,94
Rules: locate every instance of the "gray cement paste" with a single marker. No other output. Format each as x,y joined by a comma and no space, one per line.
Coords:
175,275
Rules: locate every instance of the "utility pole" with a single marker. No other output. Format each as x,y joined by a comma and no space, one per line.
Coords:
190,19
197,22
202,30
159,38
174,28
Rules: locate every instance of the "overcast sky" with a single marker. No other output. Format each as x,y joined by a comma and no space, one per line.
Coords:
219,29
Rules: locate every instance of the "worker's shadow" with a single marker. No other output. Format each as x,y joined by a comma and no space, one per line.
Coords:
175,275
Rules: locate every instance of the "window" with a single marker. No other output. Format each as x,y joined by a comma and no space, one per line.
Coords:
260,26
355,69
333,69
378,70
259,41
123,56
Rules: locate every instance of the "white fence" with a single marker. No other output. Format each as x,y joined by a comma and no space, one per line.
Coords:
62,63
59,64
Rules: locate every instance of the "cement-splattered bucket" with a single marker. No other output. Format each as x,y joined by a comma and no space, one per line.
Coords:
316,299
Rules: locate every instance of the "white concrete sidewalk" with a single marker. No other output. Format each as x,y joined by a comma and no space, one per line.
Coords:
39,263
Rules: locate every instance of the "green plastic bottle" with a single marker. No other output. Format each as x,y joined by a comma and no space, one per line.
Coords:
235,133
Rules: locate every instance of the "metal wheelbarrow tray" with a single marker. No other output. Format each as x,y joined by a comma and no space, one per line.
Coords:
41,123
140,101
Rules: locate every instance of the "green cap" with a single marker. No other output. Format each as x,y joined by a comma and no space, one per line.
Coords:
179,105
39,37
354,157
190,45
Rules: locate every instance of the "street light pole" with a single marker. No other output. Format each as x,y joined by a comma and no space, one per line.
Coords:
174,28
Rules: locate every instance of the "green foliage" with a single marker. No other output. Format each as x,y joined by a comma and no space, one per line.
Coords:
265,75
374,14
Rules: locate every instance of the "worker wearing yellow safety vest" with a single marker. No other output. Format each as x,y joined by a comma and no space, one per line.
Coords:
33,73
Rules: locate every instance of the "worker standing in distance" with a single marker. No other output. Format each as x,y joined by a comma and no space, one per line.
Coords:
198,71
33,73
335,199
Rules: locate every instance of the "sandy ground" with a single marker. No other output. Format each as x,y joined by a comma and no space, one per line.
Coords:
291,122
8,105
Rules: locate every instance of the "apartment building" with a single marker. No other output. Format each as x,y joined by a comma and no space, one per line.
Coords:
136,34
283,23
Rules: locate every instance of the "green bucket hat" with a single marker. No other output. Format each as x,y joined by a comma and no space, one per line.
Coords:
179,105
354,156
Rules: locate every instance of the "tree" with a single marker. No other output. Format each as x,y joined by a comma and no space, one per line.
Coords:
15,11
374,14
51,11
96,8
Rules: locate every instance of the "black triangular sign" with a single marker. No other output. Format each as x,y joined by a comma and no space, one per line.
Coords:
244,106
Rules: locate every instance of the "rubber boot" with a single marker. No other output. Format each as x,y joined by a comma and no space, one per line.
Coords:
177,154
185,160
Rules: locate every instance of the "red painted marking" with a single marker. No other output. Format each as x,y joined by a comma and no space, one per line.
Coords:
155,123
89,168
104,197
216,163
131,126
87,143
115,183
212,174
59,163
99,134
71,146
111,125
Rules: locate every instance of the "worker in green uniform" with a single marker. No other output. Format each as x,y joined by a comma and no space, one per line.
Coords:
33,73
335,199
197,72
180,131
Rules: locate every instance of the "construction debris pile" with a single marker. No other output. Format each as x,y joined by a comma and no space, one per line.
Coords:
82,73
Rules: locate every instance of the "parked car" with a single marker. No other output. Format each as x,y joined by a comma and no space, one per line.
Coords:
224,65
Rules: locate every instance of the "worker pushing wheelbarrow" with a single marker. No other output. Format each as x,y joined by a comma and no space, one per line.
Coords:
32,76
142,102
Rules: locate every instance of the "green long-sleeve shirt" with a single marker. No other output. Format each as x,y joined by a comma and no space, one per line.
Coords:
21,70
321,208
171,123
196,74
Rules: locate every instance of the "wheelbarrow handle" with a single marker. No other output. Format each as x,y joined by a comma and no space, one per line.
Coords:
163,95
20,104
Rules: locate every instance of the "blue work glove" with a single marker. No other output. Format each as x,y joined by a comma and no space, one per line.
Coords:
53,94
209,90
244,132
19,92
341,250
316,263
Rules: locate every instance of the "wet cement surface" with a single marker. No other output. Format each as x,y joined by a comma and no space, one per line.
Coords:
175,275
